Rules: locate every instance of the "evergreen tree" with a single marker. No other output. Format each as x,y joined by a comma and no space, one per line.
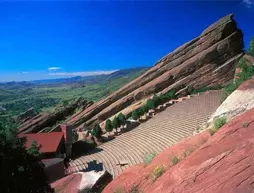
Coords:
116,122
122,119
157,100
108,125
34,149
97,131
145,109
135,115
151,104
251,47
20,170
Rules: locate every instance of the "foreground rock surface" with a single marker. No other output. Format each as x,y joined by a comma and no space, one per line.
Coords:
221,163
206,60
238,102
82,182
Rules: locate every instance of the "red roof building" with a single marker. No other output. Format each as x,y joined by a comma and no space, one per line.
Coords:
51,144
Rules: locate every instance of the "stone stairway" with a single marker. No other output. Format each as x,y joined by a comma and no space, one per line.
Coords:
153,136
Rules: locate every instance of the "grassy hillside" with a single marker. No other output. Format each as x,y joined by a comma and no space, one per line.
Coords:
45,95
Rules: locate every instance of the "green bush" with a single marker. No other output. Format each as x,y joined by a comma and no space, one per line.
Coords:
175,160
108,125
247,71
217,124
149,157
135,115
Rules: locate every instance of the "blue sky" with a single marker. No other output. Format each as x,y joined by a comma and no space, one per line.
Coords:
44,39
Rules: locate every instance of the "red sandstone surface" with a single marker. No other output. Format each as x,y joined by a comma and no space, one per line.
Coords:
220,163
68,184
249,84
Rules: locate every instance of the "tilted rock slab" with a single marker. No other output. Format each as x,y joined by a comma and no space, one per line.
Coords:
206,60
44,120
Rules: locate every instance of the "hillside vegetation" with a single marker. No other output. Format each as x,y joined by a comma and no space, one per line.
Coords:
17,97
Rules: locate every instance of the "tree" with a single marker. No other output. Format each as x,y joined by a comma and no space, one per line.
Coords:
157,100
34,149
135,115
20,170
97,131
141,111
251,47
108,125
145,108
122,119
116,122
151,104
74,136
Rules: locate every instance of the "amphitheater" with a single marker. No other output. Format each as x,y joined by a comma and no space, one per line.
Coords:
153,136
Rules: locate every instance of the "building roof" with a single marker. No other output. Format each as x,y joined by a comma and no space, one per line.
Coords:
49,142
53,161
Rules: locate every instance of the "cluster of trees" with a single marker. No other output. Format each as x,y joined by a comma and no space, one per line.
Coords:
20,106
153,103
117,122
20,169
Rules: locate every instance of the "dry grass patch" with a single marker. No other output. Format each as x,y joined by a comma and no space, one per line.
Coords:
157,172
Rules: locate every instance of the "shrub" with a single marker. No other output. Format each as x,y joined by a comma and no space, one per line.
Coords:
135,115
116,122
217,124
247,71
97,131
108,126
187,152
122,119
134,189
251,47
149,157
157,172
175,160
245,125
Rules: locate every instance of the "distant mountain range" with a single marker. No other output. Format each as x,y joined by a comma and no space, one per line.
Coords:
92,79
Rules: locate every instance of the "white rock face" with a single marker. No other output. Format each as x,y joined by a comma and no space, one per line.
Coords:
89,179
237,103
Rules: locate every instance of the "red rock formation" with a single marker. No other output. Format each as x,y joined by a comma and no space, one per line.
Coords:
221,163
206,60
43,120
